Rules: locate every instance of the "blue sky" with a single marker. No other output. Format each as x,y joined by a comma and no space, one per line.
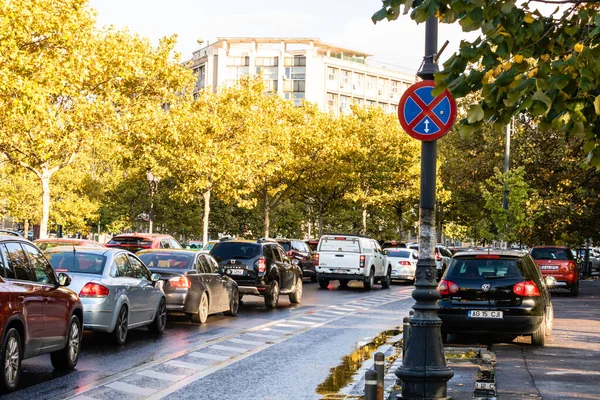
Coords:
346,23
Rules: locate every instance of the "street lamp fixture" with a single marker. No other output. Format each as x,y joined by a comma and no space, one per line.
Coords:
152,185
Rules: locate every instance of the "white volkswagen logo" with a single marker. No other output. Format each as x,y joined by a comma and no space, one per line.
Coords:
486,287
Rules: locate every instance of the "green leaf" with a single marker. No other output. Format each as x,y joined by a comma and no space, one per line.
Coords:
379,15
508,6
597,105
589,146
475,114
466,131
540,96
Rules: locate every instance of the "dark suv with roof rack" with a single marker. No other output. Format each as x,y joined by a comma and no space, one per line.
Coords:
261,268
299,252
499,292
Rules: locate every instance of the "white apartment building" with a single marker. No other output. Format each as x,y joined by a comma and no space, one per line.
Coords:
334,77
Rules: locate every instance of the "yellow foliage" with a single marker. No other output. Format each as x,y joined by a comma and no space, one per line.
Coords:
579,47
528,18
518,58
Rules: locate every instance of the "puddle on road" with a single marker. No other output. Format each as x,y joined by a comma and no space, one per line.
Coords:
341,375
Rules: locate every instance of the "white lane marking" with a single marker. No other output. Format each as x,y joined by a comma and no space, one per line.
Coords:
286,325
333,312
296,321
314,319
82,397
276,330
228,348
344,309
352,306
127,388
241,341
161,375
187,365
207,356
262,335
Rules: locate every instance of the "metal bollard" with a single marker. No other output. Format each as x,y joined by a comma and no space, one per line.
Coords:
405,333
371,385
379,369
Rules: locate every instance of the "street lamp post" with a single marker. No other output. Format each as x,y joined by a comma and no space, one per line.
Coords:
152,184
424,374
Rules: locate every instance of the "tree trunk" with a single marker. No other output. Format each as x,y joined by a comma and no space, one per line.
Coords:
364,219
206,196
45,178
266,211
309,218
320,220
399,211
26,229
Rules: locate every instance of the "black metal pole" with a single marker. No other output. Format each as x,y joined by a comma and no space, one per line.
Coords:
424,374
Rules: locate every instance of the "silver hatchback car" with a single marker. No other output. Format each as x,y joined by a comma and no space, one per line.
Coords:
117,291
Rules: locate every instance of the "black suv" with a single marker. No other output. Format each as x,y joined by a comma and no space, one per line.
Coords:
496,293
299,252
260,268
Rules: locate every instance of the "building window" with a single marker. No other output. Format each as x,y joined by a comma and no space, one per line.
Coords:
294,86
383,106
359,81
381,86
370,82
394,108
238,72
295,73
240,61
332,100
267,61
395,87
358,101
267,72
344,103
296,61
270,85
331,73
370,103
345,77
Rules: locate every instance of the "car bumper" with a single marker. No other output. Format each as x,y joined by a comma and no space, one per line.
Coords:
342,276
182,300
510,324
562,279
403,277
256,290
98,315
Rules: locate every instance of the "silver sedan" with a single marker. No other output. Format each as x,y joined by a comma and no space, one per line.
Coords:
117,291
403,263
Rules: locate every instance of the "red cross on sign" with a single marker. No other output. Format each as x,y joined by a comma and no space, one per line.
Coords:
423,116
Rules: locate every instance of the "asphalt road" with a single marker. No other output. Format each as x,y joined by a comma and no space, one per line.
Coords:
260,354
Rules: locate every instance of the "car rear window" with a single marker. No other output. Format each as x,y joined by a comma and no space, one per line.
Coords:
84,263
131,241
548,253
285,245
341,244
167,260
478,268
232,250
401,254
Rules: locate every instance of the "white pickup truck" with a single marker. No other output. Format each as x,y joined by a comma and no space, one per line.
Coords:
351,257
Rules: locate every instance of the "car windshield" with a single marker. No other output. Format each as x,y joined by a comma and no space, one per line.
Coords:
231,250
547,253
84,263
286,245
400,254
485,268
341,244
167,260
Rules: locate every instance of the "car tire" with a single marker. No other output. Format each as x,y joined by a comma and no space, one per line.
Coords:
160,318
296,295
119,334
234,303
201,315
370,282
313,278
538,338
323,283
574,289
11,354
272,298
67,358
387,281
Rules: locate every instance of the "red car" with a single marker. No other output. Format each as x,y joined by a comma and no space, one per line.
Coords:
558,262
135,242
38,314
46,244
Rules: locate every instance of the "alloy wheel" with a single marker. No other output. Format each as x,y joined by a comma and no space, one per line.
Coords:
74,341
162,313
11,361
122,324
203,308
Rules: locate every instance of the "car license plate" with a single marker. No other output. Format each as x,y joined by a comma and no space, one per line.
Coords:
485,314
485,386
237,271
549,267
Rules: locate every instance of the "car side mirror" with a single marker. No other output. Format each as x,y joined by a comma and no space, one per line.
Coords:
155,278
64,279
386,252
550,281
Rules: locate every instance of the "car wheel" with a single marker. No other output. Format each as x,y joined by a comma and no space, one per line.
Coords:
296,296
119,334
323,283
67,358
574,290
201,315
313,278
538,338
11,354
370,282
234,303
160,319
387,281
272,298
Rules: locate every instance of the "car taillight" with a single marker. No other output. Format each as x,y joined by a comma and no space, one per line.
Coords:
181,282
447,287
404,262
316,259
262,265
93,290
362,261
572,266
437,256
527,289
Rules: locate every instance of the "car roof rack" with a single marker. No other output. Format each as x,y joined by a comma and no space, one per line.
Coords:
266,240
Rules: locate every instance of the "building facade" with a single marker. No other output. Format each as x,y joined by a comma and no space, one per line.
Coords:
302,68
